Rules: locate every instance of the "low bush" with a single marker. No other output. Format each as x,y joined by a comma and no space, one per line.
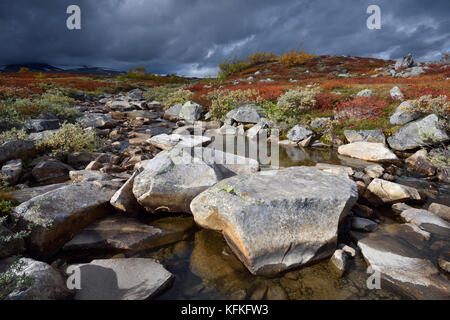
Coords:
294,57
71,138
427,105
13,134
160,93
14,279
9,117
300,100
179,96
229,67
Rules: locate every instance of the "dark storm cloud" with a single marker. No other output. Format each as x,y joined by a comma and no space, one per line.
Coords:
192,36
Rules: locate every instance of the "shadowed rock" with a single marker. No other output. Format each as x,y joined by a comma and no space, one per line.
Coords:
122,279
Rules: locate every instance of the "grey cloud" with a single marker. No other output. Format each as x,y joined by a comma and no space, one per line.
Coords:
192,36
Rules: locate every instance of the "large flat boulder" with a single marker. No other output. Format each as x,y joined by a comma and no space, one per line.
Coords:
39,125
277,220
54,217
122,279
370,151
418,133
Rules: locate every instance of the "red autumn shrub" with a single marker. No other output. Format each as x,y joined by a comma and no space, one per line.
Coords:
361,108
417,92
326,101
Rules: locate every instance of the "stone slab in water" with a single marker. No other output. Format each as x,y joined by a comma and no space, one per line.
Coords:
117,233
122,279
406,261
370,151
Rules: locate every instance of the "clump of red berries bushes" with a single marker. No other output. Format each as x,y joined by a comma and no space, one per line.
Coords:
361,108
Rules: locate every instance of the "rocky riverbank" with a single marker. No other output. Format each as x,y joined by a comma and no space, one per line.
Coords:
157,185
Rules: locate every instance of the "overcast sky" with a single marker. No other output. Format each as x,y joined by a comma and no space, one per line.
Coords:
191,37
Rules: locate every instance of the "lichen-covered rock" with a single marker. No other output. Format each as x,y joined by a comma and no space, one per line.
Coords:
39,125
417,134
298,133
277,220
365,93
396,94
404,114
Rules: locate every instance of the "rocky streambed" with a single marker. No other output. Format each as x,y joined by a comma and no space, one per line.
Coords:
158,216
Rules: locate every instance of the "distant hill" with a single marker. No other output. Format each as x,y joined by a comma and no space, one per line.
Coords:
46,68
